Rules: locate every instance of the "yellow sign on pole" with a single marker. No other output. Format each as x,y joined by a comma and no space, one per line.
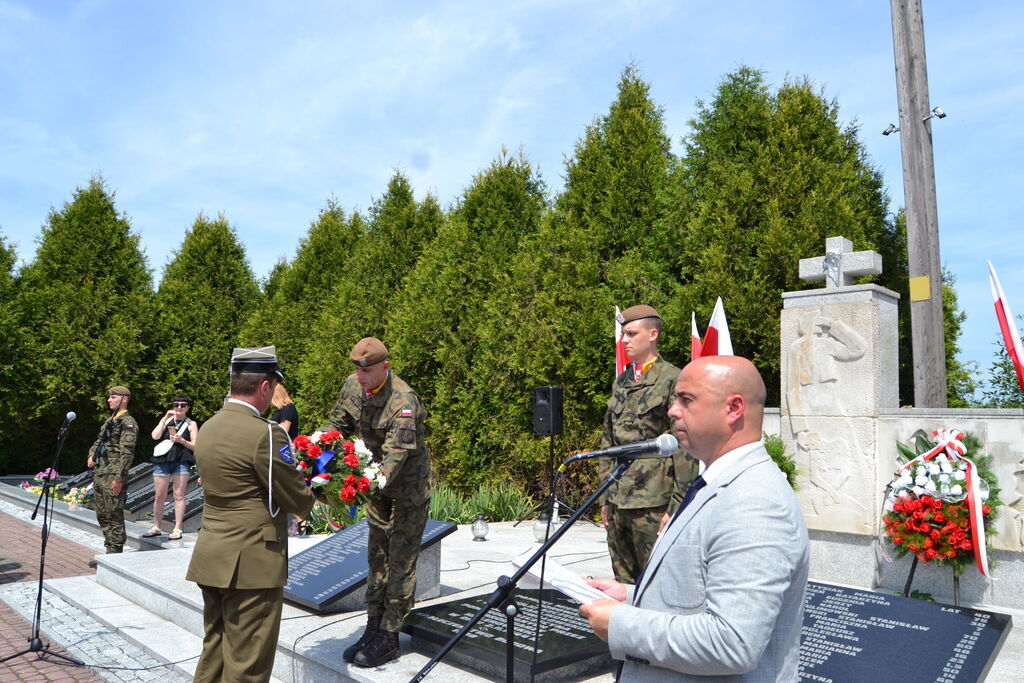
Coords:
920,288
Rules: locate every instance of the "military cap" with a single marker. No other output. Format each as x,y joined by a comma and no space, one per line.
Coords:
637,313
368,351
119,390
262,359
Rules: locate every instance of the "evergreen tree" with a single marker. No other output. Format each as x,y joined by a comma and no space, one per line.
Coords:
87,298
362,294
434,328
13,368
207,290
960,375
1003,389
769,177
297,293
602,245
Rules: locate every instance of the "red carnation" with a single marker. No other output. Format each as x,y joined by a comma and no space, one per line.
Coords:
913,547
985,509
936,503
350,448
301,442
931,554
352,460
364,484
939,517
897,539
966,545
935,534
330,437
315,451
350,480
348,494
950,554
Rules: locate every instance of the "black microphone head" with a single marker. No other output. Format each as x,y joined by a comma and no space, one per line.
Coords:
667,444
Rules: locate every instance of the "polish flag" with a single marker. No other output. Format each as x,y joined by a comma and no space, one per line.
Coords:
1007,325
695,344
717,341
621,361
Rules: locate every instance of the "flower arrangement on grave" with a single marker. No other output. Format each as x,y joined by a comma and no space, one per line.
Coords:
341,469
939,501
78,497
49,474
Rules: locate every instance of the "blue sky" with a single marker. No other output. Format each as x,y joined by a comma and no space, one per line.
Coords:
266,110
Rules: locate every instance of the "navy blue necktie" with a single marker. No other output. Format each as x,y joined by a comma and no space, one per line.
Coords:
691,493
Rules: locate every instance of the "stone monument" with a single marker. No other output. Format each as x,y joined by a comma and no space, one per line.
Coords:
839,371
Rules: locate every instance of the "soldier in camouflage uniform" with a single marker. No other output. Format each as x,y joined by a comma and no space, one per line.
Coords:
634,507
110,458
387,415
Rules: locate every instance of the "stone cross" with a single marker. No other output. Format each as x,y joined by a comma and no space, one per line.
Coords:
840,264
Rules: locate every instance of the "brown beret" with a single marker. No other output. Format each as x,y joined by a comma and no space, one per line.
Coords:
368,351
118,390
637,313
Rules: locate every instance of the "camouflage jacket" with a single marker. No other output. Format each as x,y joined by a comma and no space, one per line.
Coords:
638,410
392,425
114,448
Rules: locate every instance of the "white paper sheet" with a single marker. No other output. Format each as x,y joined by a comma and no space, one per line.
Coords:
560,579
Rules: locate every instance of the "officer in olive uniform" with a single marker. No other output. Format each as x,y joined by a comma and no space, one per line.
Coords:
110,458
240,560
387,415
637,410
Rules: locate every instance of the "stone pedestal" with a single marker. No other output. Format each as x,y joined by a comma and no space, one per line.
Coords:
839,371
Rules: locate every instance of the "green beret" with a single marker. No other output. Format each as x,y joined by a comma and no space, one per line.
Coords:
368,351
637,313
118,390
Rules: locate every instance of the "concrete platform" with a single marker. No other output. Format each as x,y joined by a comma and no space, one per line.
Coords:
145,598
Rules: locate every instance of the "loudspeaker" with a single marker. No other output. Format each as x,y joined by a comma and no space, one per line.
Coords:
547,410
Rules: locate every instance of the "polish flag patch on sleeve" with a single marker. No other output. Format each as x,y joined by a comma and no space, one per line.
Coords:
406,412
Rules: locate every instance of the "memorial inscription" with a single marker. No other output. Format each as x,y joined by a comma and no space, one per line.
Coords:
855,635
318,578
566,646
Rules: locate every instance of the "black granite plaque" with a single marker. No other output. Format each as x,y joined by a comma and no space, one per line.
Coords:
857,635
140,472
194,500
334,567
566,646
139,500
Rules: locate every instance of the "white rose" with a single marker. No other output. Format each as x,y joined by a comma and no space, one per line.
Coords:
918,491
956,490
929,485
944,478
959,475
933,468
315,436
921,480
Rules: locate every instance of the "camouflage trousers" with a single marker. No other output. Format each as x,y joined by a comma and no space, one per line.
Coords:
396,531
631,537
109,511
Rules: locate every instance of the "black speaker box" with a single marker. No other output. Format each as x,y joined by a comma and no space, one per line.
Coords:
547,410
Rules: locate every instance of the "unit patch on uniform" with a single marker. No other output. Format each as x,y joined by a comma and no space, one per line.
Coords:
286,453
406,412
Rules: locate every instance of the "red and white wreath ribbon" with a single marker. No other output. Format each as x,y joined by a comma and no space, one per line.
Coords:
948,441
320,479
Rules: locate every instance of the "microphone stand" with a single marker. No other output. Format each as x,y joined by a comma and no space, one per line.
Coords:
35,643
502,594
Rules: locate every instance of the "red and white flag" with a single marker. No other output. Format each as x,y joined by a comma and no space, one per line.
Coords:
695,344
1007,325
621,361
717,341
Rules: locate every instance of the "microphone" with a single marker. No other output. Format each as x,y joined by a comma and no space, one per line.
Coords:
665,445
68,419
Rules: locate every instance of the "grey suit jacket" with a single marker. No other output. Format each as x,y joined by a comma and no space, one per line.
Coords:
723,593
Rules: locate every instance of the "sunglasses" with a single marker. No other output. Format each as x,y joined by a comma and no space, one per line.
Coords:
180,405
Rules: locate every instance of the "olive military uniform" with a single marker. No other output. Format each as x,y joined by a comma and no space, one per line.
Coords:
638,410
391,423
113,452
240,560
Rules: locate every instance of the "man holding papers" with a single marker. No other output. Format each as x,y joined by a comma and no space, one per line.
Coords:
722,594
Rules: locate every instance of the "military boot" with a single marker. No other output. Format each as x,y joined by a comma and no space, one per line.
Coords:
372,626
382,649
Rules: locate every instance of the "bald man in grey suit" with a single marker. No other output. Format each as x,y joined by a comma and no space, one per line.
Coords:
721,597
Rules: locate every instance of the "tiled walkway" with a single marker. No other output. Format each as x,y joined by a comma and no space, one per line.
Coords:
19,563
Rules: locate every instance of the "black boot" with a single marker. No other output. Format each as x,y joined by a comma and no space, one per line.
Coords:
372,626
382,649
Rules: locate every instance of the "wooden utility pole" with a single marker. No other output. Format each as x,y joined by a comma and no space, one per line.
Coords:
921,211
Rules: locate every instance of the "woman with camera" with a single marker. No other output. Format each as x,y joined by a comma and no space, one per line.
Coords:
172,462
